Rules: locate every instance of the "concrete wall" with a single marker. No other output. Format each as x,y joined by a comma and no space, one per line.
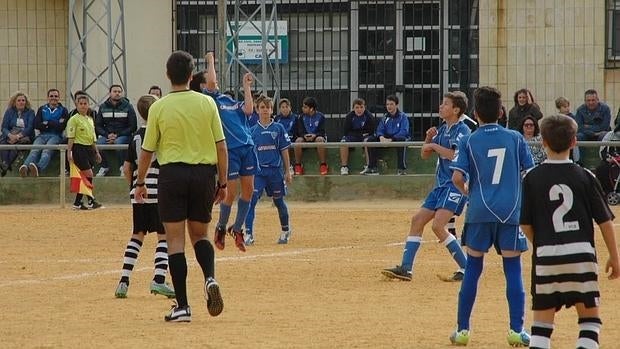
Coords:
33,48
552,47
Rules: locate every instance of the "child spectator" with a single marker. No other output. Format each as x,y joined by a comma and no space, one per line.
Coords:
560,201
287,118
82,154
311,128
393,127
272,143
145,215
359,125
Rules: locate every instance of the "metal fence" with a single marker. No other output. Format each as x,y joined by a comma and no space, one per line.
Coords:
342,50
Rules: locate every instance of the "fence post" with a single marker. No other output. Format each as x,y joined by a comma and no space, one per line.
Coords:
62,181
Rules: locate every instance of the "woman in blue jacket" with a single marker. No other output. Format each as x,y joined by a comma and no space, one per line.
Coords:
17,128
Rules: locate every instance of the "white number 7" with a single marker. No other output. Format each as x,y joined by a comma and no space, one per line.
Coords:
500,153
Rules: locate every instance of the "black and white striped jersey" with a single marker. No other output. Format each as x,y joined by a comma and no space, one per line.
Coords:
560,202
152,173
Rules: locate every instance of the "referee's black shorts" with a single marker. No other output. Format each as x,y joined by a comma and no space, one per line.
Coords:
186,192
146,219
84,156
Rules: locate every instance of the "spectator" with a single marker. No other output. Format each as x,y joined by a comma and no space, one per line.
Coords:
51,120
609,154
242,159
17,128
393,127
593,120
359,125
287,118
311,128
155,91
503,119
271,143
115,123
524,105
563,106
531,132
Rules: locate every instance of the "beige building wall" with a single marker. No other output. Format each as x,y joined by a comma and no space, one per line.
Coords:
552,47
34,48
33,44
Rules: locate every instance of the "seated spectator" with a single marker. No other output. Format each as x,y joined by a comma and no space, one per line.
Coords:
51,120
359,124
311,128
155,91
531,132
17,128
608,170
287,118
524,105
115,123
593,120
503,119
563,106
393,127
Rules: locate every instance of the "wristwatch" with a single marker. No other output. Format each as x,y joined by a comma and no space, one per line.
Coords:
140,184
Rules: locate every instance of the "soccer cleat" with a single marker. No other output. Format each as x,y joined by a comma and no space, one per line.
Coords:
179,314
238,235
219,237
162,289
457,276
103,171
33,169
213,296
344,170
94,205
518,339
460,337
23,171
398,272
248,238
323,169
298,169
121,290
284,237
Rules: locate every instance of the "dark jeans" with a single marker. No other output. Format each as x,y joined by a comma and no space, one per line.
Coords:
373,153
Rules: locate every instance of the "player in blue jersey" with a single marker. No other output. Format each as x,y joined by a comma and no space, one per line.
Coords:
272,143
311,128
492,158
242,162
287,118
445,199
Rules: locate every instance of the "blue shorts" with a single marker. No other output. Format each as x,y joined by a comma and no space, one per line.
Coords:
271,180
481,236
447,197
242,161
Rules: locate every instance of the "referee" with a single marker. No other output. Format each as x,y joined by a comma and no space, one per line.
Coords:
184,129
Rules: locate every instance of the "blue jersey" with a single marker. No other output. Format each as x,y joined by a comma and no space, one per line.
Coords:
448,137
269,141
493,158
234,120
288,122
253,119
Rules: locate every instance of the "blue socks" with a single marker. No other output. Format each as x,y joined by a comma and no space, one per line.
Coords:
249,218
412,244
224,215
455,251
514,292
282,212
242,212
469,288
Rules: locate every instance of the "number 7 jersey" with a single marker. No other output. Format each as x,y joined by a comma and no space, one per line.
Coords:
493,158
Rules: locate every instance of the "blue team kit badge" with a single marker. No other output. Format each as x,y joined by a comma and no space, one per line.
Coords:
274,135
454,197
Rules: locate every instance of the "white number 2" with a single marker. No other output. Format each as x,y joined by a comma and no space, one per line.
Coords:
567,203
500,153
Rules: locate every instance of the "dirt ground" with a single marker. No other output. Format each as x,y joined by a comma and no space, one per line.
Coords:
322,290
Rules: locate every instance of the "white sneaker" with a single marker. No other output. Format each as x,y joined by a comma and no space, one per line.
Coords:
103,171
284,237
344,170
365,170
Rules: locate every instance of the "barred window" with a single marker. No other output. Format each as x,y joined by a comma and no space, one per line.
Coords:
613,34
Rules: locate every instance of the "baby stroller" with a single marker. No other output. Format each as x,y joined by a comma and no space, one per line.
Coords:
608,171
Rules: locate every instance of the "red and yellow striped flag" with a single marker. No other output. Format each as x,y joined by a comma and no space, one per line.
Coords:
79,183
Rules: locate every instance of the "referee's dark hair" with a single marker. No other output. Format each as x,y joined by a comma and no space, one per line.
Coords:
179,67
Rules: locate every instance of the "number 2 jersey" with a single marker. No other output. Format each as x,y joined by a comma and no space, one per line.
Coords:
560,199
492,158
